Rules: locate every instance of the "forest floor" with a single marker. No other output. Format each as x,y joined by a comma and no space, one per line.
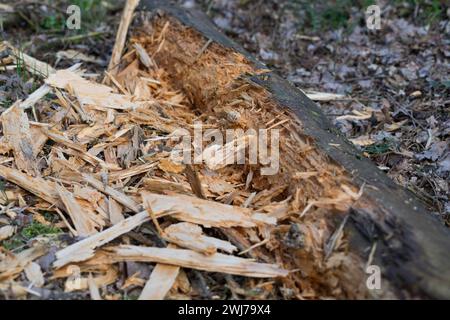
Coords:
395,80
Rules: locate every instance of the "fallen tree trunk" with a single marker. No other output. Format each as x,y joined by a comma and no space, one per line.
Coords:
387,225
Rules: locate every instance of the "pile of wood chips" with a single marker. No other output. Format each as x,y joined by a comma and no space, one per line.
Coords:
98,157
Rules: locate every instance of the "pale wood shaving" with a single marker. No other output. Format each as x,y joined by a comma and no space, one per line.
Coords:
207,213
12,265
190,236
34,274
121,35
16,128
80,217
6,232
190,259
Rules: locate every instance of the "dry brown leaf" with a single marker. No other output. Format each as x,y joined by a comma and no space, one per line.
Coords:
363,141
395,126
357,115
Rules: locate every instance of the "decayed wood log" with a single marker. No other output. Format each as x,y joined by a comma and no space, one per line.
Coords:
411,245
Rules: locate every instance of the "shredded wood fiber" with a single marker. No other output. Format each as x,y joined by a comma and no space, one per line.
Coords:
100,157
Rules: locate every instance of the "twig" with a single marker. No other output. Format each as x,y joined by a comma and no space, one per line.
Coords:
155,221
116,83
202,50
256,245
77,37
122,33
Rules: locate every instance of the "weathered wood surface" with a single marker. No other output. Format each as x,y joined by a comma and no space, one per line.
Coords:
412,245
